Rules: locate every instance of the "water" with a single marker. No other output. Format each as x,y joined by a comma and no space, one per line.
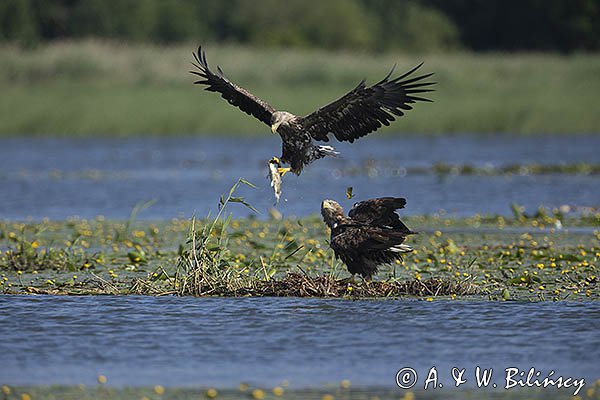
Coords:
310,342
59,178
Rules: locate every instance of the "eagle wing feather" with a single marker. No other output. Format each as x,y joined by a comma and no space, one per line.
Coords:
234,94
366,108
380,212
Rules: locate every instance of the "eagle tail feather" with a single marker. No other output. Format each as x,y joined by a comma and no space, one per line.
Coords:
401,248
327,151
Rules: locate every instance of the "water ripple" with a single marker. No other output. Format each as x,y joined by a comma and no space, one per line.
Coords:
190,342
59,178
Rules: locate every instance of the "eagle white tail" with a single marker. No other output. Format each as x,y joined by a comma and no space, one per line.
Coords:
327,151
401,248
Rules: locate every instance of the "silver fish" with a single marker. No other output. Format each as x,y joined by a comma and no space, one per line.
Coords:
275,176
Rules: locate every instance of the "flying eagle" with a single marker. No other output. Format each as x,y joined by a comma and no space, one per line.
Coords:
372,233
361,111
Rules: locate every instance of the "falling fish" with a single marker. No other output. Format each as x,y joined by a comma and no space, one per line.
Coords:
275,174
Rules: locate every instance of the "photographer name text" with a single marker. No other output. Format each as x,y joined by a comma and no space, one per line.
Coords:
511,377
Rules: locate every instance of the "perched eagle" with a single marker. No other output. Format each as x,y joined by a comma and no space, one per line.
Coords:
356,114
371,234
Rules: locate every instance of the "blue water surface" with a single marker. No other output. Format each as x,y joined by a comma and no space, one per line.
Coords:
60,178
221,342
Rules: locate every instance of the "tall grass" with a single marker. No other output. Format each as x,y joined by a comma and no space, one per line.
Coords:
204,268
89,88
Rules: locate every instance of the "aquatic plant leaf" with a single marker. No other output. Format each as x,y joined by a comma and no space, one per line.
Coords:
136,257
524,280
451,247
137,208
242,201
294,252
518,211
256,245
245,182
571,257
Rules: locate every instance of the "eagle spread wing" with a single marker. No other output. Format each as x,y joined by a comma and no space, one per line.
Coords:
234,94
380,212
364,109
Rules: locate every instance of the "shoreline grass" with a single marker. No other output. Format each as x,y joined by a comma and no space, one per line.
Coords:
95,88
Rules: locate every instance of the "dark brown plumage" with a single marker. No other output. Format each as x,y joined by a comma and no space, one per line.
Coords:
356,114
372,234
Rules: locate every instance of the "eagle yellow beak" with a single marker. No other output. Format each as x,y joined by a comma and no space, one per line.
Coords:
274,127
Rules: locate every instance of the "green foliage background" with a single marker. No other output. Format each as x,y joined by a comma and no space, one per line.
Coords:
106,67
423,25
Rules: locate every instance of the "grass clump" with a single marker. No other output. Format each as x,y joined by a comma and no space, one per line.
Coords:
205,268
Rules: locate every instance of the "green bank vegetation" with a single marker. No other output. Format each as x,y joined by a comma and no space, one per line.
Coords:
97,88
552,25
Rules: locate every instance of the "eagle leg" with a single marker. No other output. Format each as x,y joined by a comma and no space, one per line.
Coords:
283,171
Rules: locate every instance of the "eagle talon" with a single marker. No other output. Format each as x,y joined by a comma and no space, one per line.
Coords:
283,171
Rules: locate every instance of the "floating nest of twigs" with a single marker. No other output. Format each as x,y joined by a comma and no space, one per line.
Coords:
291,285
302,285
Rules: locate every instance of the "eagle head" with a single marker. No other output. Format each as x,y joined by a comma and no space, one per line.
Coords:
332,212
280,117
